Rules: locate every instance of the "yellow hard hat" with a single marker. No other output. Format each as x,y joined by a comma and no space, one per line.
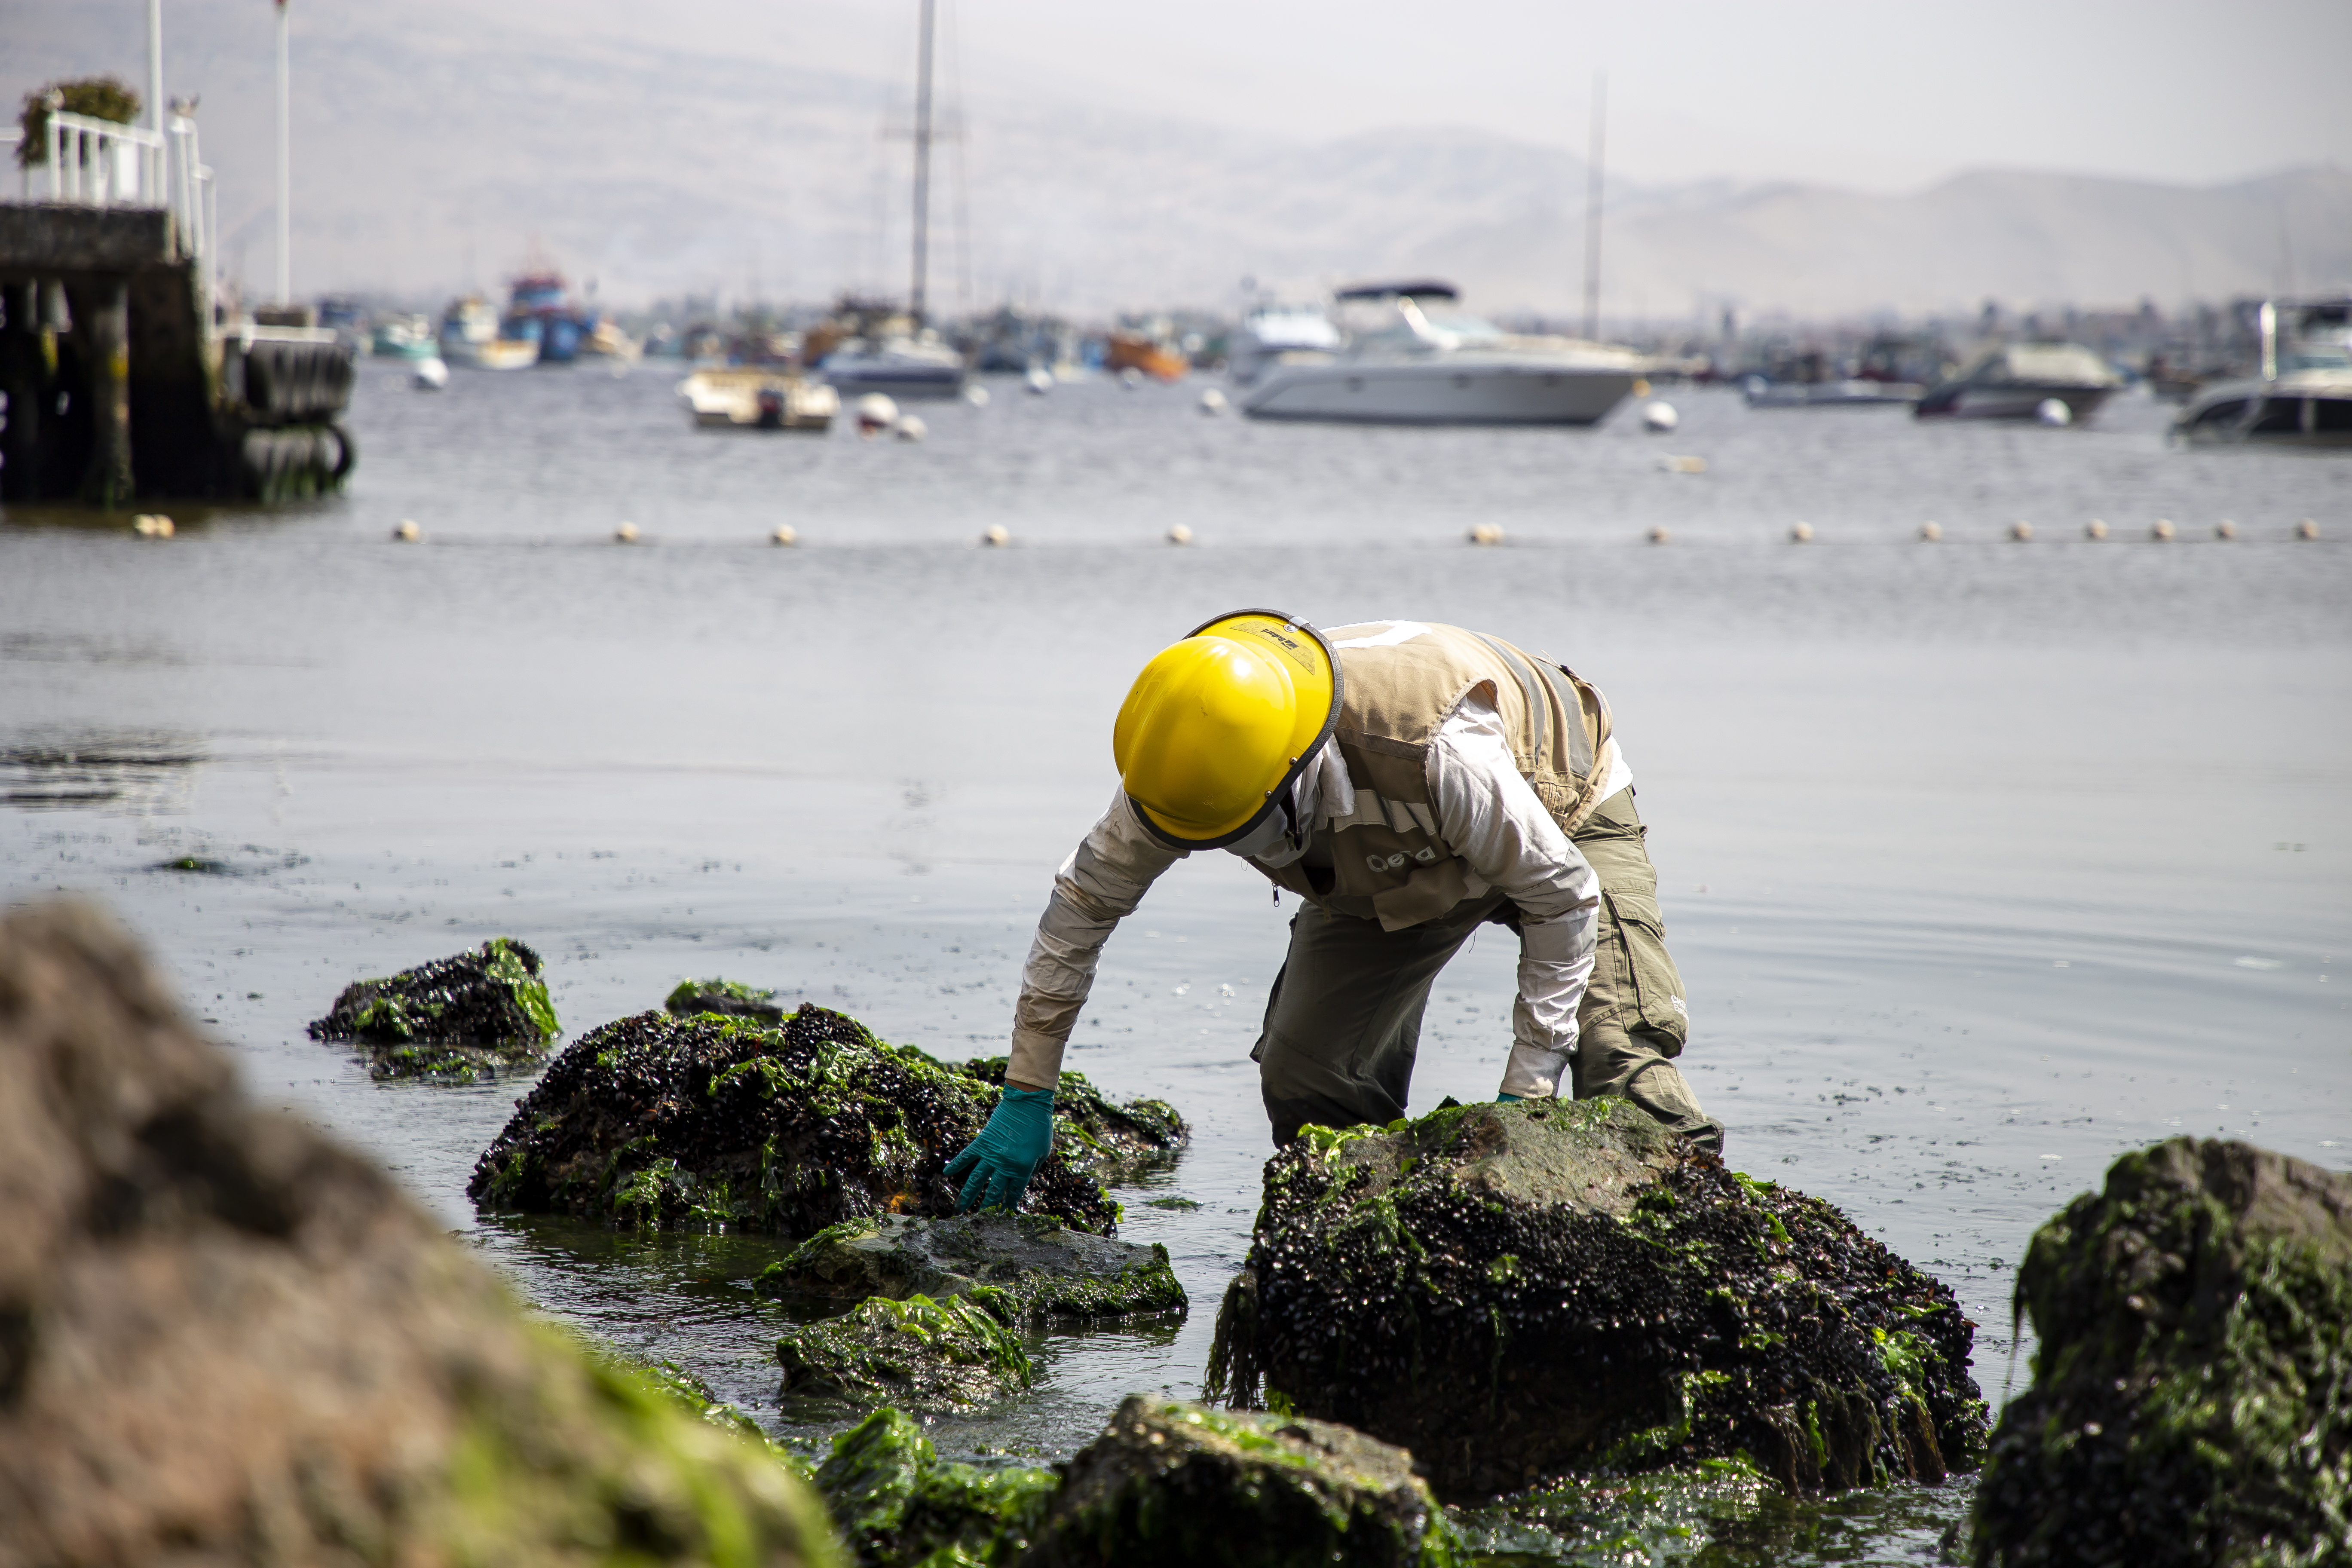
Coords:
1217,724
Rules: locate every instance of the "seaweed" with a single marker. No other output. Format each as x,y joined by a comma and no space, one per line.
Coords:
894,1501
458,1019
1120,1142
1048,1269
931,1355
728,998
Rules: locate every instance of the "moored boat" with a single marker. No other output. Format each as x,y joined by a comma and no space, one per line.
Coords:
2014,380
2303,395
919,365
751,398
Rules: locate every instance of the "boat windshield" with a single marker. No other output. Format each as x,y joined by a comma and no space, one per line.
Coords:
1461,324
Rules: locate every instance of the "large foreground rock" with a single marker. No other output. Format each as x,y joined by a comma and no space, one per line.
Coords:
709,1120
459,1019
2192,1391
1516,1291
225,1338
1045,1266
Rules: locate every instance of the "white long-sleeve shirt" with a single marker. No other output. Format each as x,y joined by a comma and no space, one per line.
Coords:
1484,809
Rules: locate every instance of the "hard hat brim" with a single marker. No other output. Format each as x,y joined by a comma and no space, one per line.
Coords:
1318,647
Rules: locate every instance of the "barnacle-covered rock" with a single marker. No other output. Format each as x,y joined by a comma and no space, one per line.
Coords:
927,1355
1047,1269
459,1019
728,998
1518,1291
1118,1142
1174,1484
894,1501
2192,1389
664,1122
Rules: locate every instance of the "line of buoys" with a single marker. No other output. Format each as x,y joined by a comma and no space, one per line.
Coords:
2307,529
1658,534
996,535
2022,531
625,534
1659,417
1487,533
784,534
151,525
2225,529
1178,534
1929,532
2095,530
2162,532
1671,464
408,532
1213,401
1802,533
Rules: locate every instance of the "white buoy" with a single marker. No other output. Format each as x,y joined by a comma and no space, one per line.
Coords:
2095,530
2053,411
2225,529
784,534
1213,401
996,535
1929,532
2022,531
2162,531
151,526
1487,533
1039,381
1802,534
1674,464
976,395
430,374
408,532
1178,534
1659,417
910,428
625,534
1659,535
874,414
1130,378
2308,529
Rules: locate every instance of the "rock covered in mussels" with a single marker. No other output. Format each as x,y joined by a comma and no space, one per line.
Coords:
1045,1266
226,1338
896,1501
460,1018
1515,1291
1169,1484
1117,1141
664,1122
728,998
932,1355
2192,1388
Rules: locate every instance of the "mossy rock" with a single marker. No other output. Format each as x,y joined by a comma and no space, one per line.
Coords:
1047,1269
1120,1142
894,1501
932,1355
1521,1292
728,998
2191,1400
461,1019
709,1121
1170,1483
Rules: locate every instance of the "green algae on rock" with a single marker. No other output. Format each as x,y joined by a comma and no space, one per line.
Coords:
2191,1400
229,1339
894,1501
1119,1143
728,998
461,1019
918,1351
1047,1269
1519,1291
711,1121
1170,1483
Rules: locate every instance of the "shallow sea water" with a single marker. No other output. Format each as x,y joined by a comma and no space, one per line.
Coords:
1982,861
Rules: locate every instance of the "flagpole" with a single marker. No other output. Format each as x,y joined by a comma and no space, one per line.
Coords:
284,168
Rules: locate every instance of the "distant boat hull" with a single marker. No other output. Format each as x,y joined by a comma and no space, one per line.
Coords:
858,378
1834,394
1446,391
757,400
498,353
2014,401
2309,408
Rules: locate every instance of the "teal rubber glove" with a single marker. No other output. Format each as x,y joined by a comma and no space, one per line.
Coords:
1000,1162
1506,1099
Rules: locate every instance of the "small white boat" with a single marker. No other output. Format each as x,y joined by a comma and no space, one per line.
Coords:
2303,395
755,399
919,366
1420,361
2014,380
1856,393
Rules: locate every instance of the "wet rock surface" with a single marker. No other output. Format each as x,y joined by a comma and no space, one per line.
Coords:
225,1338
662,1122
926,1354
894,1501
1520,1292
460,1019
1118,1140
1173,1483
2192,1392
728,998
1045,1266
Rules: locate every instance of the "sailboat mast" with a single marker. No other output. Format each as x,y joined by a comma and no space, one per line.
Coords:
1591,204
923,170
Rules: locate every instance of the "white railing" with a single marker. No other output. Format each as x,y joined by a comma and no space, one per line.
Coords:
101,164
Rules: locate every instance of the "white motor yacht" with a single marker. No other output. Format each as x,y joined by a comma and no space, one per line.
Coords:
1418,359
2303,395
2014,380
920,367
751,398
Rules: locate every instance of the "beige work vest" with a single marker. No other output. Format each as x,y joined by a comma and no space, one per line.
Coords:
1389,861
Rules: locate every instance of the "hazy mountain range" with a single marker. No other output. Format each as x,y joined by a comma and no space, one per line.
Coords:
431,157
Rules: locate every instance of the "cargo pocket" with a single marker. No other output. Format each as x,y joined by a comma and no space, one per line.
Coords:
1656,1003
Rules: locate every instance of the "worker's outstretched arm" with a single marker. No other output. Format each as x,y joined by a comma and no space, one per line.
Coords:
1099,885
1497,823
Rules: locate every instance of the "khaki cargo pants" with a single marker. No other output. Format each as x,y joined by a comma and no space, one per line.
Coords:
1343,1023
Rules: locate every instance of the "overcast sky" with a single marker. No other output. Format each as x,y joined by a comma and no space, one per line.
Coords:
1880,95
